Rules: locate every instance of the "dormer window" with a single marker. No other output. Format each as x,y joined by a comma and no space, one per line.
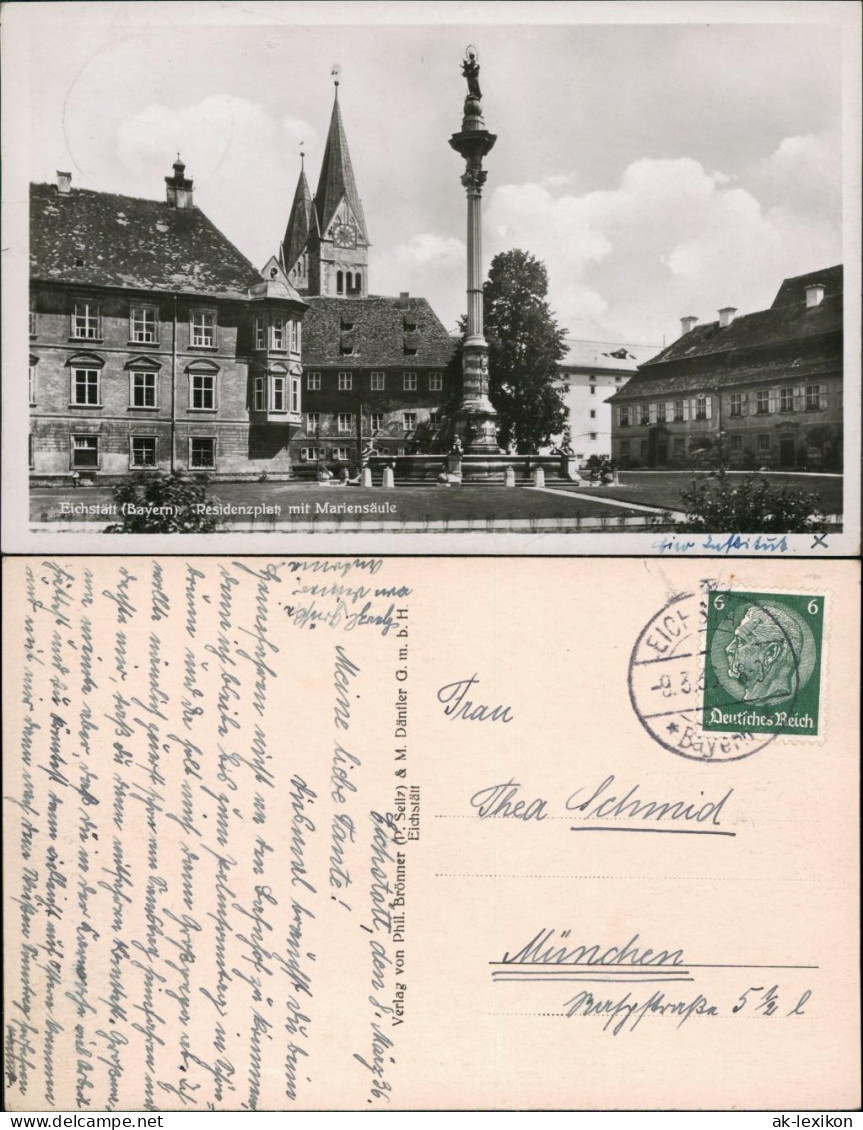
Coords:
814,294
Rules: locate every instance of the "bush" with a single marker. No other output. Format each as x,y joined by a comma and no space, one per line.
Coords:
749,506
155,503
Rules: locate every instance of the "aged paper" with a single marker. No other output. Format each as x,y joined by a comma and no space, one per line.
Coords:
338,833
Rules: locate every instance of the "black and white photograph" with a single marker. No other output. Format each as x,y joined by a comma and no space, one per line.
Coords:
575,280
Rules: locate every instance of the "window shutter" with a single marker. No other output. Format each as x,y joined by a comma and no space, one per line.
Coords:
685,410
618,416
693,409
744,408
708,406
774,399
653,413
669,410
799,398
822,396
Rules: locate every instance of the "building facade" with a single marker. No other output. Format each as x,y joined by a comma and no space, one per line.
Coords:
154,344
590,372
763,390
375,368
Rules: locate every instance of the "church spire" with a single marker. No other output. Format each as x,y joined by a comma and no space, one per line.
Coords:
337,175
299,222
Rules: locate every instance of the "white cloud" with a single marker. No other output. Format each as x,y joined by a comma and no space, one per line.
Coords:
672,238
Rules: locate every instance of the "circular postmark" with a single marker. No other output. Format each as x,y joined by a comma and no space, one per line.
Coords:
667,679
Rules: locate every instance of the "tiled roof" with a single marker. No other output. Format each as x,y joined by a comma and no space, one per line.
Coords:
705,378
337,177
606,355
714,356
377,333
125,241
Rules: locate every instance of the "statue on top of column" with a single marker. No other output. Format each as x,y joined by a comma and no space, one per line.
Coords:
470,70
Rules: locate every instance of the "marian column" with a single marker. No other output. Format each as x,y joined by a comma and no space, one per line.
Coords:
475,425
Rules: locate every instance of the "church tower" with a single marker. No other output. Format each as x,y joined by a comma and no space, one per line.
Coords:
326,246
294,252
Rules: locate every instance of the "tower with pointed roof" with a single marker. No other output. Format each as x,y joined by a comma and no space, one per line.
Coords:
326,246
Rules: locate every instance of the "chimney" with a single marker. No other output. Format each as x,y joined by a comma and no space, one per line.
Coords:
814,294
726,315
404,300
179,189
687,323
64,183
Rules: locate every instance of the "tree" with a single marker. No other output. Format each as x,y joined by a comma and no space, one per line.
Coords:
525,346
749,505
154,503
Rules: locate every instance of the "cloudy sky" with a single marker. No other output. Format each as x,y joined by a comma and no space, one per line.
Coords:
657,169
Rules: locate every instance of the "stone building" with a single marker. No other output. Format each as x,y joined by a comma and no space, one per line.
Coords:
760,390
375,367
154,343
590,372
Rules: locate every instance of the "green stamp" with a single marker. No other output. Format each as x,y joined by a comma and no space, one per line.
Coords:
762,663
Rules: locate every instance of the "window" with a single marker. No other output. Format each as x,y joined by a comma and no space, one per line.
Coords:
85,320
30,463
624,416
260,399
32,323
278,402
85,452
143,390
313,422
409,382
701,408
346,382
435,382
592,436
203,328
31,382
624,449
434,416
410,421
345,423
85,386
260,333
592,378
202,453
593,390
762,442
786,398
679,446
762,402
660,412
735,404
340,453
678,411
142,451
645,414
202,390
593,413
816,397
376,421
377,382
277,334
737,444
313,381
295,394
308,453
143,323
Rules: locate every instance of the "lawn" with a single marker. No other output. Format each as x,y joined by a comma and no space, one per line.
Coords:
302,503
663,488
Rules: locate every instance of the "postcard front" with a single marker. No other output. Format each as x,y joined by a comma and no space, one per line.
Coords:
427,834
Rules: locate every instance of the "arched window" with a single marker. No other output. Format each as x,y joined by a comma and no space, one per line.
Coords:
358,282
340,284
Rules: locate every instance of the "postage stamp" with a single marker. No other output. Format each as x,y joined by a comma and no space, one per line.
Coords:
762,663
